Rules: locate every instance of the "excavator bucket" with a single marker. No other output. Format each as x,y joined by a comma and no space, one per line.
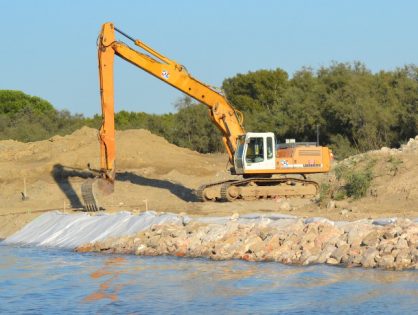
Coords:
88,194
90,190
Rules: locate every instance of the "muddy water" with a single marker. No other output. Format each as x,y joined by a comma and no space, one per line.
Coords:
51,281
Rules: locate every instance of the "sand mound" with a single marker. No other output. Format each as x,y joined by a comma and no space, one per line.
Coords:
135,149
154,174
395,178
148,166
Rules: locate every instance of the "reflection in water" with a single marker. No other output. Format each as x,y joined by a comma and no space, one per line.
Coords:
107,290
32,280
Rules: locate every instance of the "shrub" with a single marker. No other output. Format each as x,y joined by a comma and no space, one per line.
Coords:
356,182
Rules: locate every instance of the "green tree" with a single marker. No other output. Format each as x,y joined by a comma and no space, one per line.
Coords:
193,128
356,110
28,118
261,90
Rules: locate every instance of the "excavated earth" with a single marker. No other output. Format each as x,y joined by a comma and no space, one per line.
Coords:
154,174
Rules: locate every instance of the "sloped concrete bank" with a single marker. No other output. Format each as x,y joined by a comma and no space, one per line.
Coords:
385,243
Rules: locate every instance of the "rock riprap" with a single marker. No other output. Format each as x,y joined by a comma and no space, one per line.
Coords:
386,243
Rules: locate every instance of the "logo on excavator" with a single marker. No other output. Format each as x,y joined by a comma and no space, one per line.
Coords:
165,74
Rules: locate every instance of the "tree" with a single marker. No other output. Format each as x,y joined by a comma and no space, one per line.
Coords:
357,110
193,128
29,118
261,90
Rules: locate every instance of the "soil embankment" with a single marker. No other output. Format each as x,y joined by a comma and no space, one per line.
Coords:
154,174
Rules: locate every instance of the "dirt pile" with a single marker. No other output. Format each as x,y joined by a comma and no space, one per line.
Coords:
154,174
394,185
151,173
135,149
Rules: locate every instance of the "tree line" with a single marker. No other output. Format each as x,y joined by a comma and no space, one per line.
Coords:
354,109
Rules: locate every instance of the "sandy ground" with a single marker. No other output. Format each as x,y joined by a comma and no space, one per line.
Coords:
156,175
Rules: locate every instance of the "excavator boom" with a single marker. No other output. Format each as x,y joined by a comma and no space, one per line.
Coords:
225,117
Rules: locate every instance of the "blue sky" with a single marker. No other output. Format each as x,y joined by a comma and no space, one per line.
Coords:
48,47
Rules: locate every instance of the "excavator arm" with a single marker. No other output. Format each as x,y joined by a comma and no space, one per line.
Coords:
225,116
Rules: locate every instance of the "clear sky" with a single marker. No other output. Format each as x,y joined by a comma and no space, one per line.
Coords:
48,47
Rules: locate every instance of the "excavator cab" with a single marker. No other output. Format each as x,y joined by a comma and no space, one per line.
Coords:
255,153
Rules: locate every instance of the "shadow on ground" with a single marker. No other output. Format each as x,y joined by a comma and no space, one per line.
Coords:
176,189
62,174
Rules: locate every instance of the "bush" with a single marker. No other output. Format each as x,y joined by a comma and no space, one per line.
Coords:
355,182
340,194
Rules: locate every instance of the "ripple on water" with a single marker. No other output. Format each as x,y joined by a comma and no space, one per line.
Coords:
36,280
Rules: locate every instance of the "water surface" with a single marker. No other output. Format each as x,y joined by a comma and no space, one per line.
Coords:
37,280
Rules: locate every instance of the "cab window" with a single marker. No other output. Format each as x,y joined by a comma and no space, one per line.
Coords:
255,150
270,148
240,146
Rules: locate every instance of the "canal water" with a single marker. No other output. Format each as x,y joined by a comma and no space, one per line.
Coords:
36,280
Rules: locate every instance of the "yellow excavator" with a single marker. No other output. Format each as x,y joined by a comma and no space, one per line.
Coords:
255,156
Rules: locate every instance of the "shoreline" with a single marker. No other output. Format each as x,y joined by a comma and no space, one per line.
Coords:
386,244
390,243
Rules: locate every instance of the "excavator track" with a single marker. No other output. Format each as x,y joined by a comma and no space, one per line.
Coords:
257,188
210,192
